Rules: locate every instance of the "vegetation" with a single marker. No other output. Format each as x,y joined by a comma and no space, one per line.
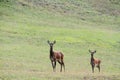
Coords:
76,25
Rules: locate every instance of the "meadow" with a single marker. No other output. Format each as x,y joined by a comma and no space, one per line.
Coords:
26,26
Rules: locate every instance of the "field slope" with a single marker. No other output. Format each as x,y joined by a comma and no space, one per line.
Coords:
76,25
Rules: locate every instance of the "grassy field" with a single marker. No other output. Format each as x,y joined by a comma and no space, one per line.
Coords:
76,25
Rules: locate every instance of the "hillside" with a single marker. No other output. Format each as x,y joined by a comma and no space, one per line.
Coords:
102,11
99,16
76,25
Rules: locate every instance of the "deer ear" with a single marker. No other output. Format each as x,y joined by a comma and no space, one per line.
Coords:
54,42
89,50
48,42
95,51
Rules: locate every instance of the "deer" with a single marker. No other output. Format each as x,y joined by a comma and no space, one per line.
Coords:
56,56
94,62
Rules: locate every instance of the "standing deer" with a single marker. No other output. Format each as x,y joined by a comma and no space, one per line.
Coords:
94,62
55,56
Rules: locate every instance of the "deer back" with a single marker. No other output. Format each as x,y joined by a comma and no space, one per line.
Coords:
58,55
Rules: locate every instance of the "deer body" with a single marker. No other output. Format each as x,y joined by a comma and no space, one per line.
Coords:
94,62
56,57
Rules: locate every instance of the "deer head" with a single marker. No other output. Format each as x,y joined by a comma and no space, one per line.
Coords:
51,43
92,52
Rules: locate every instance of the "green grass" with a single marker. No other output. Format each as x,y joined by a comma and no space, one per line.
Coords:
26,27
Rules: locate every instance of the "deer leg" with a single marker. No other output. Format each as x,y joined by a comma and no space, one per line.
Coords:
98,67
55,65
52,64
92,68
63,65
60,65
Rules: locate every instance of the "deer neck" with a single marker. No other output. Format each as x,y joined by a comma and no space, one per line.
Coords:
51,51
92,58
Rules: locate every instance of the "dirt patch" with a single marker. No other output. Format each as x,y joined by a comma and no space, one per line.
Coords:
113,77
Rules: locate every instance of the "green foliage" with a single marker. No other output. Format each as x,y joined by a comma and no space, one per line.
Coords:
115,1
76,25
3,0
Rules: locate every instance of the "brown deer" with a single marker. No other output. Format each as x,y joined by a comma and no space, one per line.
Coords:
94,62
56,57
